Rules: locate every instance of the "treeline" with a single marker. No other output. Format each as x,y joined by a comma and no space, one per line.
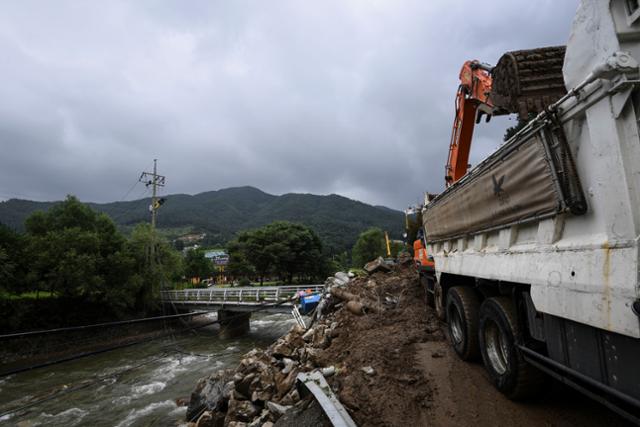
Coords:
281,249
74,253
288,251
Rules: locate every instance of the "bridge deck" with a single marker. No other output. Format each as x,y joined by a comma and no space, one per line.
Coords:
238,299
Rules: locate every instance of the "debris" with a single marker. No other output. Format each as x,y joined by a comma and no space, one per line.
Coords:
368,370
315,383
376,265
277,409
328,371
356,307
404,258
263,388
343,295
342,278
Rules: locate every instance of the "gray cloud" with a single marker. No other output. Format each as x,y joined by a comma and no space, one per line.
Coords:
348,97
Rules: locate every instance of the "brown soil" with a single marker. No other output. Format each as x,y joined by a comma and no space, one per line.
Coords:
398,392
419,380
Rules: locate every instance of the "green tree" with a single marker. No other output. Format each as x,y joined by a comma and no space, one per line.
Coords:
13,261
239,266
156,264
281,248
76,252
196,265
297,249
370,245
254,246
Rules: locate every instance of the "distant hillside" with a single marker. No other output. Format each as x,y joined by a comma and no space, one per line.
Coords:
220,214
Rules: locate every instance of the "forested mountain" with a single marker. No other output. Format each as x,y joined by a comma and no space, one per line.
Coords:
220,214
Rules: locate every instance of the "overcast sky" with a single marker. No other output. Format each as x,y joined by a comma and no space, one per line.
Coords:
334,96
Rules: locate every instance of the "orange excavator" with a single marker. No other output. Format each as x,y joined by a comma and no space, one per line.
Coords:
472,101
523,82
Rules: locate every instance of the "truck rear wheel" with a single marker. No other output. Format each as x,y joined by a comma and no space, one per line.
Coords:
463,306
504,363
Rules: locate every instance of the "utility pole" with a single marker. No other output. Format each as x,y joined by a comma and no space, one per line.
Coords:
154,180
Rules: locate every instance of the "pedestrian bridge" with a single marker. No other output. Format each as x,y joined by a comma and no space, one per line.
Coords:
273,299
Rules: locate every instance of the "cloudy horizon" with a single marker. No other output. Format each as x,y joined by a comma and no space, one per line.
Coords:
348,97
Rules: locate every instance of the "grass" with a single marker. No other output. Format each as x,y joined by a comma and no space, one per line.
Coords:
29,295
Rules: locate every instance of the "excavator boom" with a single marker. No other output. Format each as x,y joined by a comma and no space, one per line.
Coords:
523,82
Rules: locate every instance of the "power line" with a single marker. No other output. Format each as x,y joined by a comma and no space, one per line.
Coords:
118,346
96,325
131,208
154,181
129,191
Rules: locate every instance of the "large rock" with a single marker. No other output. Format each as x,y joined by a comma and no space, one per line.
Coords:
341,278
241,410
209,394
376,265
307,413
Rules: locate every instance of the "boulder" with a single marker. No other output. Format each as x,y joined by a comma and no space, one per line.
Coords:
208,394
376,265
262,420
209,419
241,410
341,278
277,409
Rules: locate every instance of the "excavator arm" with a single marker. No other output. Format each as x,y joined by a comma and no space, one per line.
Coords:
472,100
523,82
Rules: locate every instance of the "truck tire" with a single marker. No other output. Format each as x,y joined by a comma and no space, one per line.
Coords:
438,300
463,307
504,363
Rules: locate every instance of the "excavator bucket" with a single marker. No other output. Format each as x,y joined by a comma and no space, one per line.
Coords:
527,81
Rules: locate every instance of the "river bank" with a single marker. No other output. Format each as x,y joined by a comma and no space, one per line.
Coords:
23,351
136,386
364,342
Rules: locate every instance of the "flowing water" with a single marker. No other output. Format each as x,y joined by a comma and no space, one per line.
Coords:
135,386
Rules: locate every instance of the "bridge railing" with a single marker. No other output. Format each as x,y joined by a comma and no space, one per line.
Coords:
246,295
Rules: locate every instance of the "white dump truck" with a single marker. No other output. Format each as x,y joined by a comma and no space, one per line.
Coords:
536,248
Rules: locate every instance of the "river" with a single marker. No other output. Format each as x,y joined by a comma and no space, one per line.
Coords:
135,386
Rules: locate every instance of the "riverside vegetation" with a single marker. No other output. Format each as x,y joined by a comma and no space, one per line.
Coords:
71,265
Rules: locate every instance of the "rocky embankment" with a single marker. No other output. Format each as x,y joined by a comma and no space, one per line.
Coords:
363,340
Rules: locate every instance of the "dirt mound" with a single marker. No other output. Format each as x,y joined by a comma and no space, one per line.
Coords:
375,353
365,337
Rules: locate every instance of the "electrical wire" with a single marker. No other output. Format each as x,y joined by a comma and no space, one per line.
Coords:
98,325
144,340
89,383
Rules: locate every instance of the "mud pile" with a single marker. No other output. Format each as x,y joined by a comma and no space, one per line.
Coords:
364,342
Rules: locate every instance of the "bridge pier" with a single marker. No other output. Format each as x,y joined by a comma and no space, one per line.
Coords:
233,323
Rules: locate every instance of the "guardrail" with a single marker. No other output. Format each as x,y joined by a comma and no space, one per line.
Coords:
237,296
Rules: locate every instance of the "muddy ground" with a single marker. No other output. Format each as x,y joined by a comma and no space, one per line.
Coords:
419,379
